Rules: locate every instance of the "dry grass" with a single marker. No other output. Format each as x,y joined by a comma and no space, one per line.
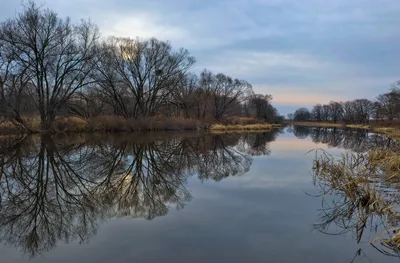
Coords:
392,132
70,124
318,124
119,124
241,128
358,126
7,127
104,124
331,125
385,123
377,163
363,187
389,161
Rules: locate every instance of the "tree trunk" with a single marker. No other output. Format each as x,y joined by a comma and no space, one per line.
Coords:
46,123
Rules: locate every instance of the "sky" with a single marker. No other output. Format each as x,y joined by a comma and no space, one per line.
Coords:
301,52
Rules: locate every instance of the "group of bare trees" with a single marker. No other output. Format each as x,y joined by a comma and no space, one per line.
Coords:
359,111
52,68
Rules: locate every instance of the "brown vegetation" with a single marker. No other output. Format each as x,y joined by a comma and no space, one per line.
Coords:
316,124
363,186
139,84
106,124
241,128
120,124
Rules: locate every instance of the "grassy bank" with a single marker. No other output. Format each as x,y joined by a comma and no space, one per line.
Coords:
120,124
390,129
104,124
362,187
220,128
329,125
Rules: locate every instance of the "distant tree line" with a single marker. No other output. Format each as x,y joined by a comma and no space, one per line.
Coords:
360,111
52,68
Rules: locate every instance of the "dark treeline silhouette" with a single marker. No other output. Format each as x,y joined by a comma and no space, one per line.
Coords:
356,140
60,188
360,111
51,69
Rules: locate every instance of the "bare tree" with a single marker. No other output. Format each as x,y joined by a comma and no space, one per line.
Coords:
227,93
348,112
363,109
389,105
186,95
335,111
302,114
262,108
56,56
110,87
148,69
325,113
87,104
15,99
317,112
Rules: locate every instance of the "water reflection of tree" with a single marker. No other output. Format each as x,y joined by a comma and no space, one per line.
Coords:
44,198
357,140
60,189
301,132
222,159
256,144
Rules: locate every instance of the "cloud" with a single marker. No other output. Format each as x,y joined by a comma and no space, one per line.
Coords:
250,64
144,25
298,51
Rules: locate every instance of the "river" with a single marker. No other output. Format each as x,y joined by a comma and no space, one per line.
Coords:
178,197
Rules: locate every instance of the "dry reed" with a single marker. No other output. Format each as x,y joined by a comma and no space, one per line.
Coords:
242,128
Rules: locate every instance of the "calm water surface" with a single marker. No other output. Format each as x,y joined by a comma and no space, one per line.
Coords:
182,197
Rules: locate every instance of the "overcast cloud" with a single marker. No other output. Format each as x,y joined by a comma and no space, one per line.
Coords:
301,52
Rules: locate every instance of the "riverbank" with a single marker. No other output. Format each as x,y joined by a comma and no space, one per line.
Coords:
391,131
103,124
329,125
120,124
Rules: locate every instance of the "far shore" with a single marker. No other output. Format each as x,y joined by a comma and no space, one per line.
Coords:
383,128
329,124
